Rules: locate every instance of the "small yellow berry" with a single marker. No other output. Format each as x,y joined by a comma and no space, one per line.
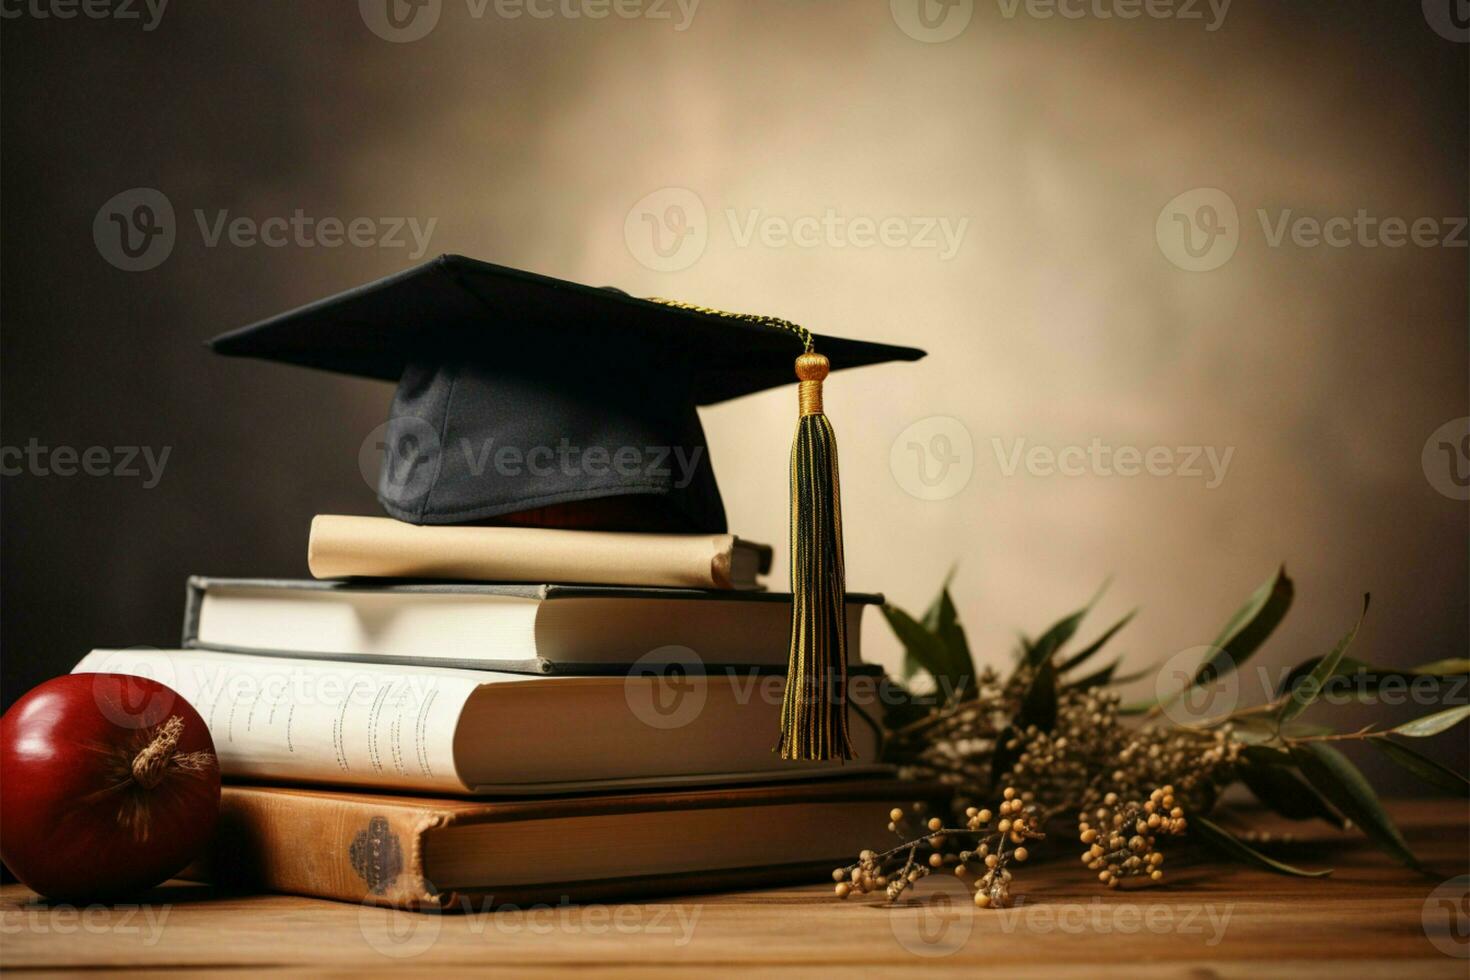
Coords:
1004,826
1010,793
1088,836
936,860
982,900
935,823
991,860
985,816
895,815
838,874
1020,854
842,890
1156,875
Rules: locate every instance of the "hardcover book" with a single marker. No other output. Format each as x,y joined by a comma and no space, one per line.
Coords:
536,629
441,730
468,856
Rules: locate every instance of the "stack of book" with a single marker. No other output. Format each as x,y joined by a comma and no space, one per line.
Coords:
551,632
395,738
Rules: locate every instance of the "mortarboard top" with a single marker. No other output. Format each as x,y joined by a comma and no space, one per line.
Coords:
507,379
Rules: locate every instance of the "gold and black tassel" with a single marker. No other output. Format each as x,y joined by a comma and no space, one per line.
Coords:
814,713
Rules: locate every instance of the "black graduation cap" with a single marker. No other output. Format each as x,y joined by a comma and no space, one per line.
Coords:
532,400
527,399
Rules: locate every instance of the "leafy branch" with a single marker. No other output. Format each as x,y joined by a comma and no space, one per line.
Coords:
1055,723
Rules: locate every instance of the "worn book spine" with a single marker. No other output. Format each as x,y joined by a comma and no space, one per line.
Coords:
378,547
357,847
324,846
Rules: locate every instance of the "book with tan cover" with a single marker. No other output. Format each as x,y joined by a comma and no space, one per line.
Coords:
380,547
461,855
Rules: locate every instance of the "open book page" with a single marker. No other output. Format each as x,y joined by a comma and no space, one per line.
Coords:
317,721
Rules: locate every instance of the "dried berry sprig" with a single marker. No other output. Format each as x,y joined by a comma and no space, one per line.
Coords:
1123,844
983,867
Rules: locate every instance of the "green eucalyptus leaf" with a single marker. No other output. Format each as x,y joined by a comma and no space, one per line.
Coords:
1368,679
1003,758
1228,844
1054,638
1261,755
1304,693
1096,679
959,664
1431,772
922,649
1137,675
1081,655
1440,721
1451,665
1039,704
1285,792
1251,625
1345,787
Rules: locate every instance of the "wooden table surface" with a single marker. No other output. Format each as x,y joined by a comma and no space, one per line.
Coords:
1372,918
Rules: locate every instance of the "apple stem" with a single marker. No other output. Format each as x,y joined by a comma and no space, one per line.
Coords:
150,764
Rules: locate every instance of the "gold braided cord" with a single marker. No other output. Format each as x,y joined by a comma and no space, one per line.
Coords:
774,322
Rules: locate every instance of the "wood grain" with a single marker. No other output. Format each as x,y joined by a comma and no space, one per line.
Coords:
1368,920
